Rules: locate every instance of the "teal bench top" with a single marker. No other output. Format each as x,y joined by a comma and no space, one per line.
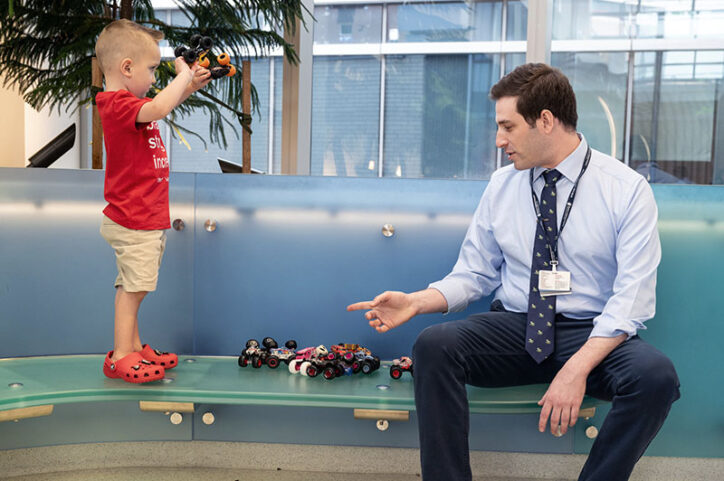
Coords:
36,381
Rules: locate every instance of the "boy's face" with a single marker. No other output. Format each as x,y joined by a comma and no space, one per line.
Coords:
142,70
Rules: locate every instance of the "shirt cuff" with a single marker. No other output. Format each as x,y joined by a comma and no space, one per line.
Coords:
607,326
453,294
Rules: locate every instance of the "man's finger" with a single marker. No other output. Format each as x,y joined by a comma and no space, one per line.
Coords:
555,421
360,305
544,413
565,418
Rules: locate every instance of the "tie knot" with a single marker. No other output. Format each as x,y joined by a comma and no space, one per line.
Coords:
551,176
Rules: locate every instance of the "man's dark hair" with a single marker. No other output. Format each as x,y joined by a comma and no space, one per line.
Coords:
539,87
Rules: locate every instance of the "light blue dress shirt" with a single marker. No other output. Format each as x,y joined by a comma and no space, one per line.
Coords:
610,244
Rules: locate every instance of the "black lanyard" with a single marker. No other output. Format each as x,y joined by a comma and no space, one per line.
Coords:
553,246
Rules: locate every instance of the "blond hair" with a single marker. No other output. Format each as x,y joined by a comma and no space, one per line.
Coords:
123,39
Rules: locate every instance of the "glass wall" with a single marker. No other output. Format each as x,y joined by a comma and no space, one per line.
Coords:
400,89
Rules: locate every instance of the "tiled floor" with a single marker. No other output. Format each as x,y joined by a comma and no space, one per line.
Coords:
196,474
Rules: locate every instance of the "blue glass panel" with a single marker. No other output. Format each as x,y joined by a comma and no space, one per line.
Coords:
438,116
290,253
348,24
57,272
200,159
599,81
444,22
345,116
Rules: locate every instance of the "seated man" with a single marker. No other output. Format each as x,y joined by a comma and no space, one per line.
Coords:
566,238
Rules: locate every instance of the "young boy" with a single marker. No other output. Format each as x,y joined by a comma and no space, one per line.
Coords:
136,185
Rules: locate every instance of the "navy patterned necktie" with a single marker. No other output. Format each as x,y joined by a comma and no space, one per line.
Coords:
540,330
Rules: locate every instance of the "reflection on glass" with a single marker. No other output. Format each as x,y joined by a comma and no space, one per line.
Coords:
348,24
445,22
677,116
200,159
345,116
439,121
516,21
599,82
602,19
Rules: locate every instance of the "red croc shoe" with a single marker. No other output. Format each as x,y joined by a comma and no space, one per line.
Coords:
167,360
132,368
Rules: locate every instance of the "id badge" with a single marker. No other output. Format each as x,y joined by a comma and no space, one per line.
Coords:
554,282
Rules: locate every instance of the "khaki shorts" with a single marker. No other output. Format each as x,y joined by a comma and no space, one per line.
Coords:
138,255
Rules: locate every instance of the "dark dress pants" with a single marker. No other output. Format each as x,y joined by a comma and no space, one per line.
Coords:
487,350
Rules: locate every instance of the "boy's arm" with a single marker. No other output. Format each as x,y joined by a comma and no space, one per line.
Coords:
168,98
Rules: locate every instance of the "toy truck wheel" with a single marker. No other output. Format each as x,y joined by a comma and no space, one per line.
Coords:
204,61
232,71
189,56
312,370
223,59
348,356
272,362
252,343
291,344
206,43
356,367
255,362
179,51
293,366
329,373
303,368
243,362
338,370
395,372
194,40
366,367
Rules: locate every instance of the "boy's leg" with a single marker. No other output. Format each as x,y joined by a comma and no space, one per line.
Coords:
642,383
486,350
126,322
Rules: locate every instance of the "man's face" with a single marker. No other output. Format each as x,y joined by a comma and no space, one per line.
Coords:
515,136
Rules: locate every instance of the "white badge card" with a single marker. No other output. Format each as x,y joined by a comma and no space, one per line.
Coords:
554,283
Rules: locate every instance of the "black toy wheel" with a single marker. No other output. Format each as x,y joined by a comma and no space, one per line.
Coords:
206,43
329,373
252,343
255,362
395,372
189,55
312,371
243,362
269,343
194,40
366,367
356,367
272,362
291,344
179,51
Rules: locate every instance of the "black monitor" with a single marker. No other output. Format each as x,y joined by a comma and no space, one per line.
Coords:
54,149
229,167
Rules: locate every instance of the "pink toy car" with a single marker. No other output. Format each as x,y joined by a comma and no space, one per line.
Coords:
307,360
399,366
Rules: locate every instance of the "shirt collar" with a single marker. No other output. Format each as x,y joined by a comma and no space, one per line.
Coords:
571,166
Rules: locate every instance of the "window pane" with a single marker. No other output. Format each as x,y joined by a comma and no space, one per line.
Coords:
599,81
356,24
278,92
677,134
517,21
595,19
439,121
199,159
444,22
345,116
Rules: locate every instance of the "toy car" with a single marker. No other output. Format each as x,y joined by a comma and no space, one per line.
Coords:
310,361
400,366
199,47
357,357
269,353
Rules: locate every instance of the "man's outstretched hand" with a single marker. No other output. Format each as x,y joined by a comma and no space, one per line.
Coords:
388,310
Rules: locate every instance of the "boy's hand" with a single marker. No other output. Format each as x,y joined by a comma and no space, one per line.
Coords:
181,66
202,76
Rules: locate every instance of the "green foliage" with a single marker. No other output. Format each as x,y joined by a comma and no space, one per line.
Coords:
46,48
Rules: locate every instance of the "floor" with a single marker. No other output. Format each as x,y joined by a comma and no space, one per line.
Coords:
198,474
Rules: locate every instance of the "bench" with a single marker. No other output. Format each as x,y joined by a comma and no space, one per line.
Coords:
31,386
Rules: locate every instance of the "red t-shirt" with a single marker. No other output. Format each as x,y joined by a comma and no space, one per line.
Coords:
137,171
